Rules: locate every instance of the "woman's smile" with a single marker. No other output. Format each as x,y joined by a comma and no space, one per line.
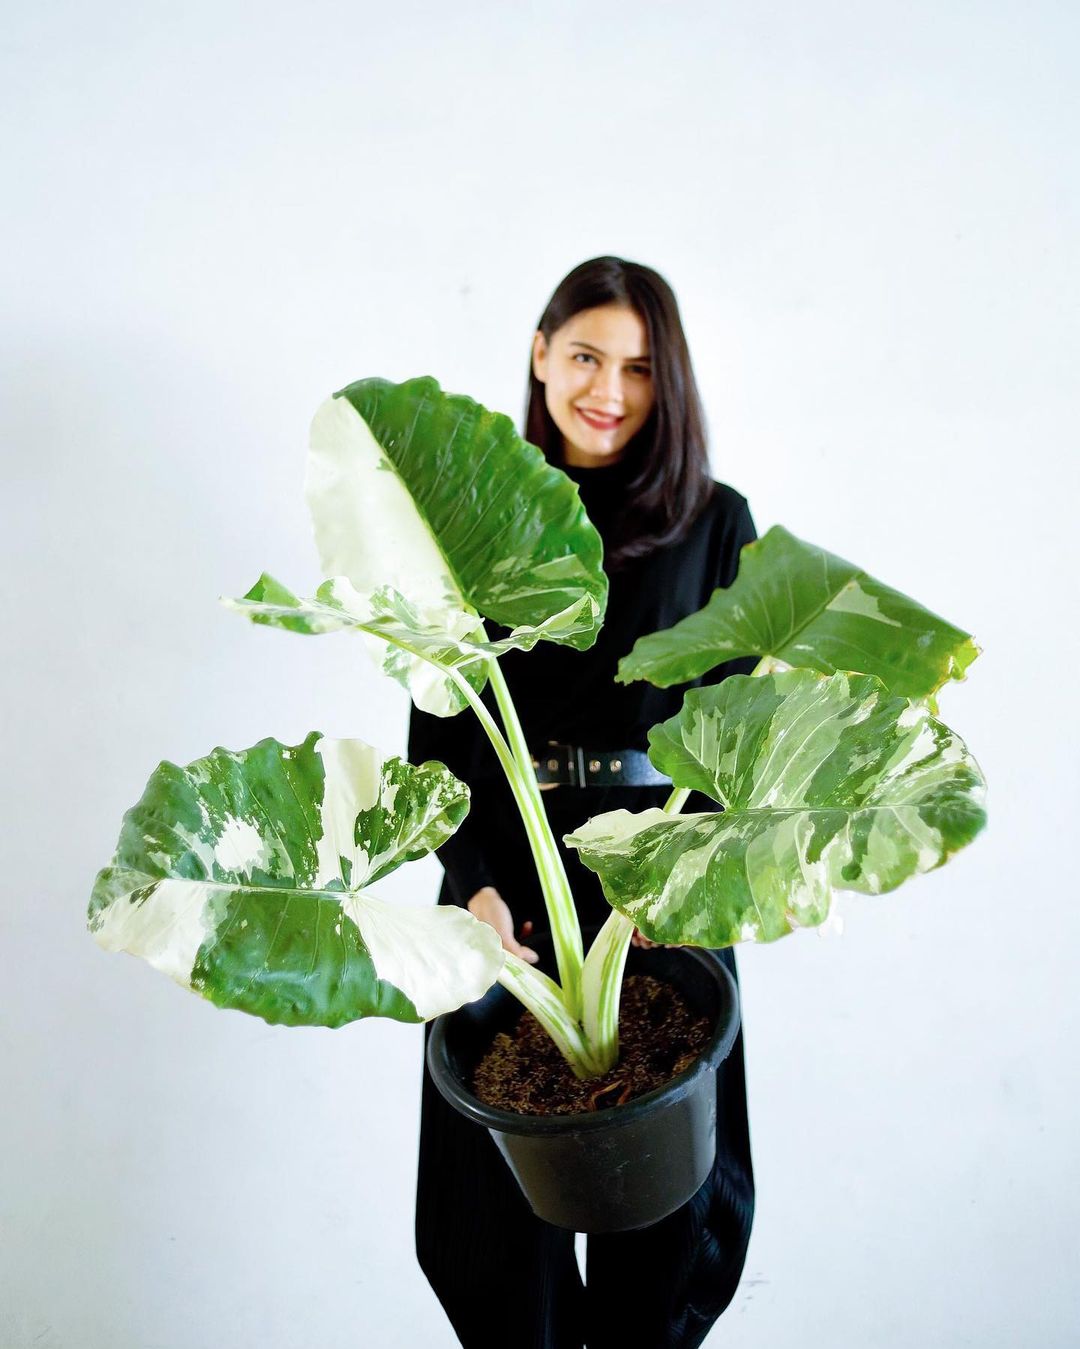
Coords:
603,421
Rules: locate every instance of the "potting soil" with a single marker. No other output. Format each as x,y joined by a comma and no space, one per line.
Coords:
659,1037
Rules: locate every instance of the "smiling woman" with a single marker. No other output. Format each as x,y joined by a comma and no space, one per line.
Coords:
613,403
610,345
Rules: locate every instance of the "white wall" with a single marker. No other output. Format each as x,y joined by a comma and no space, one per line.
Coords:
218,214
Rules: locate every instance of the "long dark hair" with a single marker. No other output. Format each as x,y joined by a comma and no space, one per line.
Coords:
669,479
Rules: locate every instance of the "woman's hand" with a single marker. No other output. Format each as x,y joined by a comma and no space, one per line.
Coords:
490,907
646,945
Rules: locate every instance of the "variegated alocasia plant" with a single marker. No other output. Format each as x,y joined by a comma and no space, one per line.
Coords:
247,876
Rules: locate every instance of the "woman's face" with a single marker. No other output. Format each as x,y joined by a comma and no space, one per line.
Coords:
597,382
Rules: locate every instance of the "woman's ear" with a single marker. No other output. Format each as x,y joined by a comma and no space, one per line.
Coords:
539,357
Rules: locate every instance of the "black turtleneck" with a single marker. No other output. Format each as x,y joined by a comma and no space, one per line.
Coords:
571,696
602,491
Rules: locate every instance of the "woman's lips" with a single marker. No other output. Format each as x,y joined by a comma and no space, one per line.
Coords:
598,420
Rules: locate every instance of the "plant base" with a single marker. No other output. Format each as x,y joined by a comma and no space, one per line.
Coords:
611,1170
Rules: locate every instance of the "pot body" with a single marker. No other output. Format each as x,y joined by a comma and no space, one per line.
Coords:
609,1170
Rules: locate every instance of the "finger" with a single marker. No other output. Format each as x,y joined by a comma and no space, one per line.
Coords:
526,926
526,953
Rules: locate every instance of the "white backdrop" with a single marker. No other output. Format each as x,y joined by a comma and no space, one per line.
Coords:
216,215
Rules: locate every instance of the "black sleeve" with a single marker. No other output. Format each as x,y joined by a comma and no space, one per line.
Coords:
452,741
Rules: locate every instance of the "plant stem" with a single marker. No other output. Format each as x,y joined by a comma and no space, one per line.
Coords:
558,897
591,1045
516,763
602,989
556,889
602,980
769,665
543,997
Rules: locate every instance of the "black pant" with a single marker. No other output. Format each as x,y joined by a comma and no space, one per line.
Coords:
508,1280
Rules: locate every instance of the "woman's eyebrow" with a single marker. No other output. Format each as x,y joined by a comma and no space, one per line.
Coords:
589,347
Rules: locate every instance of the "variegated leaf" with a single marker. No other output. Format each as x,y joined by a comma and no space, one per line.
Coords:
812,610
409,641
245,876
828,784
432,497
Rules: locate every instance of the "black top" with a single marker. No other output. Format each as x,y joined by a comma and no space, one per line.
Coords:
571,696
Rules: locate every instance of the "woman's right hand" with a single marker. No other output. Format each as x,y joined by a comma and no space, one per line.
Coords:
490,907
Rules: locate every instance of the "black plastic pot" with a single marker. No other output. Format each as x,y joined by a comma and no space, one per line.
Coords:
609,1170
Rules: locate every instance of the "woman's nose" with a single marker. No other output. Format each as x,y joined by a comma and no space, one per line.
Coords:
607,384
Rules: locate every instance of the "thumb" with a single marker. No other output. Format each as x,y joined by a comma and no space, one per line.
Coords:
522,952
526,952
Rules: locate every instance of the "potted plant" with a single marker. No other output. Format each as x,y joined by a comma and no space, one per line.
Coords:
248,876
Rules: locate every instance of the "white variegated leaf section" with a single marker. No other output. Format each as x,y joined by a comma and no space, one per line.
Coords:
367,526
353,775
369,531
439,957
166,928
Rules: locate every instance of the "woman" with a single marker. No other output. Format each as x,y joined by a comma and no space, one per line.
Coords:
612,402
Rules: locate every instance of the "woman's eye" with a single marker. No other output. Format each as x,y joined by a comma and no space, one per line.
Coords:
643,370
583,356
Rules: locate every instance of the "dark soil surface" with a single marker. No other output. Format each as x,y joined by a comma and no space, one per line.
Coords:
659,1036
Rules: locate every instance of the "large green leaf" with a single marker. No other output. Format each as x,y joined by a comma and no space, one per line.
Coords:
828,784
812,610
245,876
432,498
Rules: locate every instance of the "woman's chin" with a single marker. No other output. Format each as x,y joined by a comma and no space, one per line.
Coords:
580,457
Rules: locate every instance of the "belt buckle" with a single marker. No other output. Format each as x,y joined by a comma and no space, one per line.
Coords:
568,761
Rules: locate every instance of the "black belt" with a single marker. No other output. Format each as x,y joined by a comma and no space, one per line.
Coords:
576,766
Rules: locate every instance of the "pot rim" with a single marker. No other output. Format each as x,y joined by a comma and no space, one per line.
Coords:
614,1116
